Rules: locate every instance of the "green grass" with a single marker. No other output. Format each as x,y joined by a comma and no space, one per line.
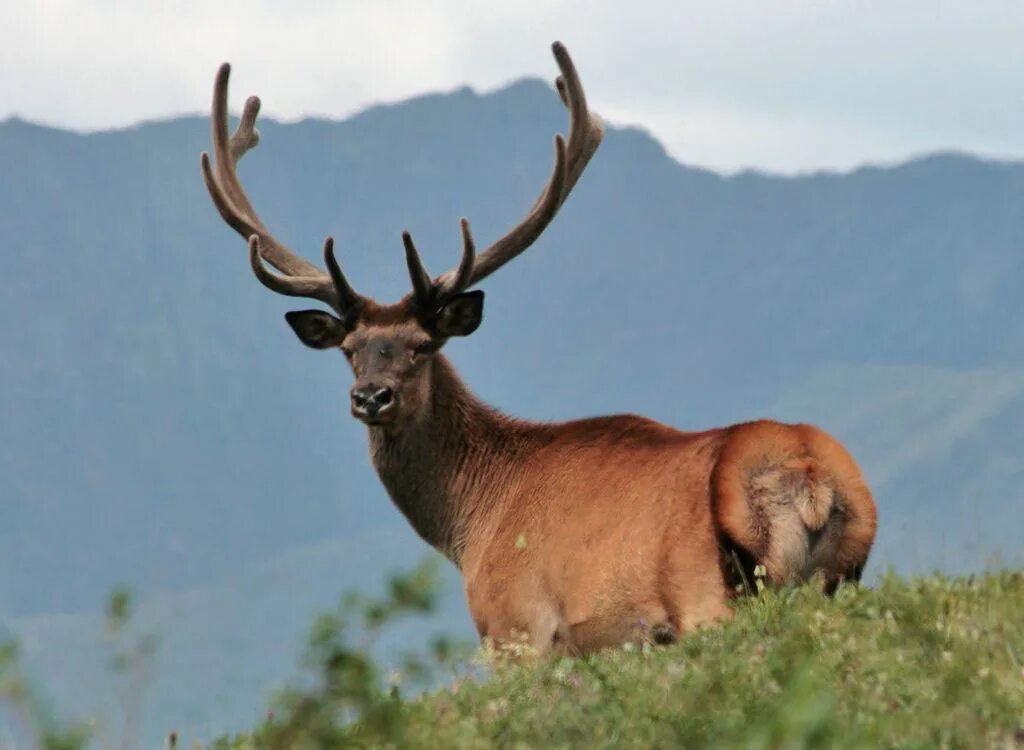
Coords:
918,663
928,662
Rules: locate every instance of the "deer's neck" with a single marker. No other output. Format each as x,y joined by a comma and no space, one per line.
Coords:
441,470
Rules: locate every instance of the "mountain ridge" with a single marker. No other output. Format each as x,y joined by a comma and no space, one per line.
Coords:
531,84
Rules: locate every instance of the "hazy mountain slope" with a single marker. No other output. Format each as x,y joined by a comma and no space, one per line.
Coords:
225,648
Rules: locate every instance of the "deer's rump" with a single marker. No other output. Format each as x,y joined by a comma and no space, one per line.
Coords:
791,498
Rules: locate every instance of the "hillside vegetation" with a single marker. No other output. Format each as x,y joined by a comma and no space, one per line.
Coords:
924,662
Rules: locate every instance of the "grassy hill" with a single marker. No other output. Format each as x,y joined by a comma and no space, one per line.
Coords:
920,662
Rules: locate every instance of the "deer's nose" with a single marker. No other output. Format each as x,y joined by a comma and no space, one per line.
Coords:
370,401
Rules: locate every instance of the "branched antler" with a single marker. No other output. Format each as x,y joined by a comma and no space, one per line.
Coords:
585,133
300,277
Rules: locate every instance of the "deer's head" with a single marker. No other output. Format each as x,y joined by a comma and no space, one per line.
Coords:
389,347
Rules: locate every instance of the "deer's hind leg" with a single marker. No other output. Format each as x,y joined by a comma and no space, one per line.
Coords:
692,585
794,500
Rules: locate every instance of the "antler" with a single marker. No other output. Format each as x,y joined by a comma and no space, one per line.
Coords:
300,277
585,133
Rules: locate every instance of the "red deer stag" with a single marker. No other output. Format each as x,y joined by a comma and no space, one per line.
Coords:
577,535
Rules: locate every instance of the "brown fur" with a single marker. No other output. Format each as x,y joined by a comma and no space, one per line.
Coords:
793,498
585,534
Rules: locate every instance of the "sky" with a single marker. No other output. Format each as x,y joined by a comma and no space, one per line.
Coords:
779,85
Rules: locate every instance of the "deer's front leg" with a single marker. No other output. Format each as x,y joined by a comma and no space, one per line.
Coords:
516,618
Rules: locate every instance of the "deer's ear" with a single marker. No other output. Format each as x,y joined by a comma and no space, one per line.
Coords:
316,328
461,315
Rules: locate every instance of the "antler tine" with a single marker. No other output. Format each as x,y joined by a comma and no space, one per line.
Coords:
291,286
527,231
430,295
229,150
423,288
348,297
585,129
246,136
585,133
457,280
232,201
462,274
301,278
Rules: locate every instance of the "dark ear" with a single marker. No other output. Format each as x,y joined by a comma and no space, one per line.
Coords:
461,315
316,328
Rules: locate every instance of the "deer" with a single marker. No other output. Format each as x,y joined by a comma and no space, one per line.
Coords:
569,536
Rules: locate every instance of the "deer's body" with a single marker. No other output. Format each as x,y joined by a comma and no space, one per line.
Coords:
571,536
588,533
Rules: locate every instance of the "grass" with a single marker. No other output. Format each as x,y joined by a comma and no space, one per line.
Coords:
925,662
916,663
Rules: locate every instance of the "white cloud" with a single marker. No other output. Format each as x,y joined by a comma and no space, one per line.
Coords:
787,85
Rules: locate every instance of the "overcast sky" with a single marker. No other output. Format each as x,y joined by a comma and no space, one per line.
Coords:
784,85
